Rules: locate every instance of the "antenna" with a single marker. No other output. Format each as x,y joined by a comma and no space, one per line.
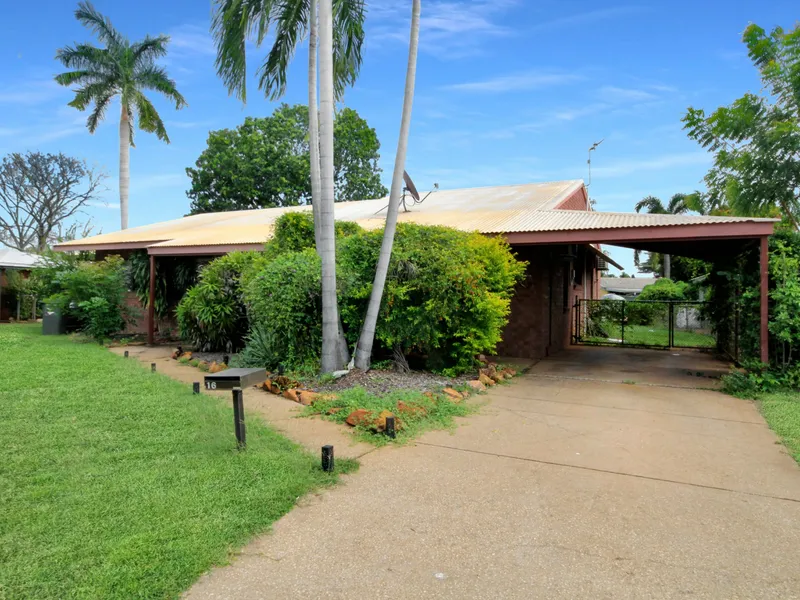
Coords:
589,161
412,190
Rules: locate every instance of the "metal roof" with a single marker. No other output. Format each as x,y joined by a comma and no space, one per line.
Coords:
625,284
12,258
491,210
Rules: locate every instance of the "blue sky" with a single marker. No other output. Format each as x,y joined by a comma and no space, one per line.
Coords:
508,91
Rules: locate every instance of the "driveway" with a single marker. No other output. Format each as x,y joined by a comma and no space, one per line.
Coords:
569,484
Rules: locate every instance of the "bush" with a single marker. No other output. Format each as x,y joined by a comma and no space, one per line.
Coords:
174,276
649,307
447,296
92,292
211,314
294,231
284,303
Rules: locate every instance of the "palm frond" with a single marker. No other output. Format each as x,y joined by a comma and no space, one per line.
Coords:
652,204
101,26
101,103
231,24
155,78
149,49
93,92
291,22
79,78
86,57
348,38
148,117
677,204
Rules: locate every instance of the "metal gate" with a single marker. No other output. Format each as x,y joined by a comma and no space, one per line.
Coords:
646,324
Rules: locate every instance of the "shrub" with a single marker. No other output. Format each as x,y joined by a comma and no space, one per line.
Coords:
174,276
284,304
211,314
92,292
648,308
447,295
294,231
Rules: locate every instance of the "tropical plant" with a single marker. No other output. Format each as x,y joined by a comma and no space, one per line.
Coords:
265,162
119,69
756,139
659,263
341,26
174,275
365,340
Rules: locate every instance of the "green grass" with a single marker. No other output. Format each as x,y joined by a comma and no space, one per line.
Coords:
119,483
642,335
782,413
438,412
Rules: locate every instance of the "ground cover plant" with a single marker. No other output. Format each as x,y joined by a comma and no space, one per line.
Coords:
119,483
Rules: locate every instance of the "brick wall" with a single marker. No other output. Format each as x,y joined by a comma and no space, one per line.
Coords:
541,309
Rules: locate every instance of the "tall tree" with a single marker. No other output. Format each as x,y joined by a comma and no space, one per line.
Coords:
265,163
756,139
677,205
367,336
40,197
341,34
120,69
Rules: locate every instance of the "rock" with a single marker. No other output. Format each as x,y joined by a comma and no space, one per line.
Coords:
340,374
452,394
498,377
216,367
508,372
307,397
477,385
291,394
203,365
379,424
411,410
175,355
358,417
334,410
486,380
187,355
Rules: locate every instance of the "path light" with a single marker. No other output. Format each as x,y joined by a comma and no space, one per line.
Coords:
390,427
238,417
152,367
126,354
327,458
196,387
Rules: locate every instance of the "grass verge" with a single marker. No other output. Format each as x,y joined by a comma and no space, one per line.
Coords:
782,413
415,412
119,483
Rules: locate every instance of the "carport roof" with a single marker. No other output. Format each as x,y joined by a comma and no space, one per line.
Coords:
533,213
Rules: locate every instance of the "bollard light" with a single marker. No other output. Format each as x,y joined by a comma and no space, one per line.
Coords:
327,458
126,354
196,387
390,427
238,417
152,367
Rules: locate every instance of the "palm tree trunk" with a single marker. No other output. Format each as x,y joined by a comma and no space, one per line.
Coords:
367,337
331,355
667,266
124,165
313,122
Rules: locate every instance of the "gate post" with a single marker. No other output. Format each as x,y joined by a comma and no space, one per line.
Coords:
622,341
671,326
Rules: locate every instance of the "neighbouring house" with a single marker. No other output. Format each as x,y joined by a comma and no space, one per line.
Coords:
551,225
627,287
12,260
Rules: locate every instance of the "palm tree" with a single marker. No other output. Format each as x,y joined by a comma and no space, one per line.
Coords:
121,69
367,337
341,24
677,205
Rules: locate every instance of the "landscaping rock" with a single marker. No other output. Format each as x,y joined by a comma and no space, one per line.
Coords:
307,397
497,377
334,410
216,367
477,385
452,394
486,380
482,358
508,372
411,410
379,424
291,394
358,417
187,355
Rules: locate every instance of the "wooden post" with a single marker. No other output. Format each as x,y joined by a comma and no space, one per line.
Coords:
764,264
151,303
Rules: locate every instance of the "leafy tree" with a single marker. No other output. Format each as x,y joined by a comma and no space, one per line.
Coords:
341,35
659,263
756,139
265,162
120,69
40,194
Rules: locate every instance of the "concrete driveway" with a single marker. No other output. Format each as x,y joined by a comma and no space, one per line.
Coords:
569,484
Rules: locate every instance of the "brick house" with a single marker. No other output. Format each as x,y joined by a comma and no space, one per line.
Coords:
12,260
551,225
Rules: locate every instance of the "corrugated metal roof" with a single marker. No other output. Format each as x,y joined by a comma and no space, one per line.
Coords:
9,257
625,284
503,209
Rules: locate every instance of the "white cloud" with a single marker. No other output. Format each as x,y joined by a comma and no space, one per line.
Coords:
514,83
188,124
102,204
193,40
621,168
618,95
30,92
158,180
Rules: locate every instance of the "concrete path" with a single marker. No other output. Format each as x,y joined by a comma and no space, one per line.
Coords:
570,486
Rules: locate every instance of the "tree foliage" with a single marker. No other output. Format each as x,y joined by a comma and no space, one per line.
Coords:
265,163
40,196
756,139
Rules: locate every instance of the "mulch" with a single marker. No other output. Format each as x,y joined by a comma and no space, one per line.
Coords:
384,381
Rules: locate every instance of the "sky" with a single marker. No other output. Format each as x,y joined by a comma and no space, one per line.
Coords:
507,92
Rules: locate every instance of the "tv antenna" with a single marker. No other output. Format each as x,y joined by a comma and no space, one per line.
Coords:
411,189
589,161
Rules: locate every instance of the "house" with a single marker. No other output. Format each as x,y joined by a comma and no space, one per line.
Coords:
551,225
627,287
12,260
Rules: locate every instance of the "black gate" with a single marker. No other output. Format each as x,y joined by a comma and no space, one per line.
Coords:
646,324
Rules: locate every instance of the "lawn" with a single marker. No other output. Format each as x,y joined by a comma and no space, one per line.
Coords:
119,483
782,412
645,335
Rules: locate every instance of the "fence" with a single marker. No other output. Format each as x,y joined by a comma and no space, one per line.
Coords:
648,324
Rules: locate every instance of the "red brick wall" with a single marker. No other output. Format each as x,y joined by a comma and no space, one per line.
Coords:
541,309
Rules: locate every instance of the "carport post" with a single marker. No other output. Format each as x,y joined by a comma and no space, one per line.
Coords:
764,264
151,303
